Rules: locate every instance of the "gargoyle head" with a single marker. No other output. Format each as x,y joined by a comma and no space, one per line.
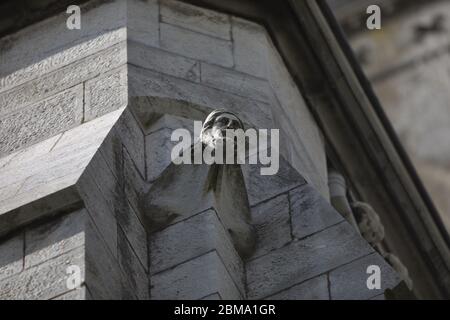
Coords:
215,126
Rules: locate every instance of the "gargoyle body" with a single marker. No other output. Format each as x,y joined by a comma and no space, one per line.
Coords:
186,189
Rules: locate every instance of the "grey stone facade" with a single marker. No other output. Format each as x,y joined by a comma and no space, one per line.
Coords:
86,117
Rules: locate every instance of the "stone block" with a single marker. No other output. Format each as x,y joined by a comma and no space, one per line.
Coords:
143,21
250,47
196,45
163,61
54,238
261,188
196,19
195,279
102,215
148,83
44,281
41,120
134,232
272,224
132,268
236,82
106,93
191,238
314,289
310,212
63,78
103,275
302,260
349,282
47,45
11,256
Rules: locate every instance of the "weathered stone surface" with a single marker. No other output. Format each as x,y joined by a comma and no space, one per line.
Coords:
103,276
132,268
106,93
350,281
195,279
55,238
236,82
261,187
272,223
11,256
191,238
132,138
63,78
314,289
41,120
135,185
310,212
195,45
147,83
143,21
48,45
36,150
303,260
250,47
44,281
196,19
134,232
159,148
91,133
163,61
44,173
99,211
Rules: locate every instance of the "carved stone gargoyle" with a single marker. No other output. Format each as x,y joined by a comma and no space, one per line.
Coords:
187,189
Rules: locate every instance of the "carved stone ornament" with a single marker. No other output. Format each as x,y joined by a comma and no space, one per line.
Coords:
186,189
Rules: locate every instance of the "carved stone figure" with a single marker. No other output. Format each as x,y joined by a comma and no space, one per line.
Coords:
199,187
369,223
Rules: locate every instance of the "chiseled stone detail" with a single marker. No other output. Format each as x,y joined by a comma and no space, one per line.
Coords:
54,238
43,281
314,289
11,256
41,120
63,78
195,279
106,93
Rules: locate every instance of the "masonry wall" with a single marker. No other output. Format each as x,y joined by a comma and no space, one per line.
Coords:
198,59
